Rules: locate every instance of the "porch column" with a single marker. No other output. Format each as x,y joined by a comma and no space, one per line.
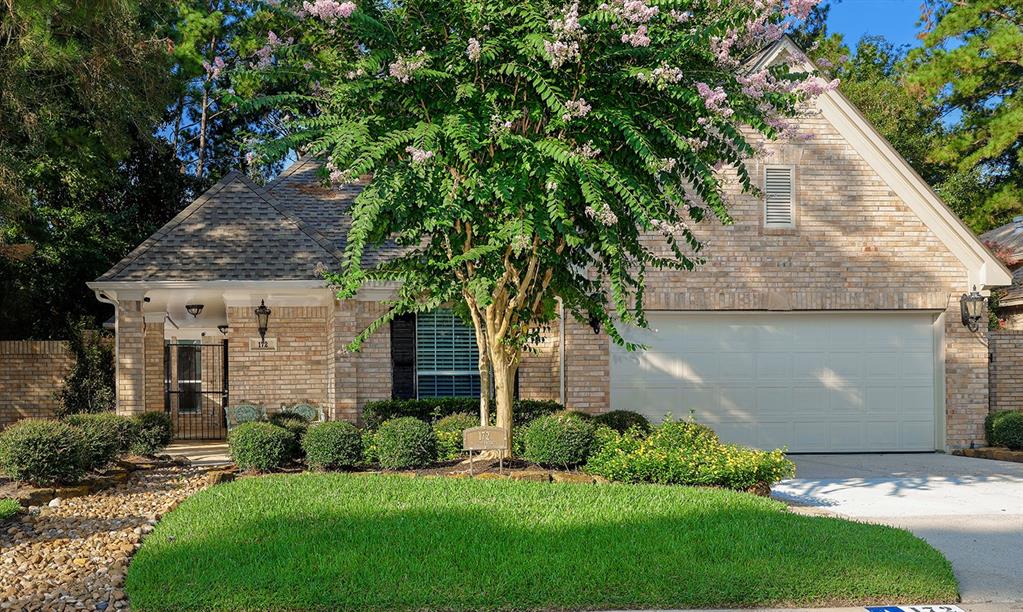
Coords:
131,371
153,342
343,366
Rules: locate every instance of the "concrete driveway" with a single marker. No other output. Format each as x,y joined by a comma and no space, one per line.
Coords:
969,509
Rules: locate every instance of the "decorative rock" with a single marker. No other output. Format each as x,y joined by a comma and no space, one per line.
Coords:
75,491
55,502
216,477
572,477
34,497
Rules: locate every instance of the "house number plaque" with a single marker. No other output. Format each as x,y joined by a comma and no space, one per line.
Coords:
270,344
482,439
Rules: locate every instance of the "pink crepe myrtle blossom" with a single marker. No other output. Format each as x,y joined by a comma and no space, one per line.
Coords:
577,108
714,99
568,25
680,16
639,38
419,156
329,10
215,68
474,50
404,66
587,150
814,86
603,214
560,52
661,76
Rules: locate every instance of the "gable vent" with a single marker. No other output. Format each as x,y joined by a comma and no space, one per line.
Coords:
779,196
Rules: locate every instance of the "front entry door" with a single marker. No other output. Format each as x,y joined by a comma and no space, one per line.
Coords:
195,380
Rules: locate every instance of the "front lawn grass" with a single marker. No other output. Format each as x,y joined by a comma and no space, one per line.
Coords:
336,541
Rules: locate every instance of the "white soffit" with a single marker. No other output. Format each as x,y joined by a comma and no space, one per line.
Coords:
985,271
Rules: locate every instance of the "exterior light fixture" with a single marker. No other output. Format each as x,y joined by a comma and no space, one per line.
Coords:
194,309
262,321
971,306
595,324
222,329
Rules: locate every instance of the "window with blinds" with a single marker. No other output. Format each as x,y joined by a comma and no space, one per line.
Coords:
447,359
779,196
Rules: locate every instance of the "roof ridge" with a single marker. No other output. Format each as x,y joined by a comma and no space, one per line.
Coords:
314,234
287,172
175,221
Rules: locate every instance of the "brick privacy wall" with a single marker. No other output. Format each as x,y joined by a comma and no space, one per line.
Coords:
1006,370
130,356
296,372
32,372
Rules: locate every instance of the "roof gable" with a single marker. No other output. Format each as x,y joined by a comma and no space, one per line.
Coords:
984,269
231,232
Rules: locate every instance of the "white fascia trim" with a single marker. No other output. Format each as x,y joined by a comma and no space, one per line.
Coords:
984,269
372,291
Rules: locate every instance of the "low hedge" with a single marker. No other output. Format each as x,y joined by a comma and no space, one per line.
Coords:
43,452
622,420
449,434
989,426
561,440
334,445
1008,430
155,430
263,447
106,436
8,508
684,453
433,409
405,443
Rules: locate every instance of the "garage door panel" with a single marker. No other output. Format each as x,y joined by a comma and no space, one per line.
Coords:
812,382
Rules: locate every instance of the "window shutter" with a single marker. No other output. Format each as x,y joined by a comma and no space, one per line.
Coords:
779,196
403,357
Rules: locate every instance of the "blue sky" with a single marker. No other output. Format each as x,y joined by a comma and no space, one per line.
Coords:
894,19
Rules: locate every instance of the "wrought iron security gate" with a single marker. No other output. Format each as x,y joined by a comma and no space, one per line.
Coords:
195,383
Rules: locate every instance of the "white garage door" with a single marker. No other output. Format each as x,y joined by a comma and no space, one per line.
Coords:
811,382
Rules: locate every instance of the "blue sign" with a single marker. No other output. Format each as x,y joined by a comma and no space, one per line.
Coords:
927,608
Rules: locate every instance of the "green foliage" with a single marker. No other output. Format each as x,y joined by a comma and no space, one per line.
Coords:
154,431
430,409
969,64
43,452
1008,430
405,443
334,445
622,420
449,434
561,440
989,422
279,418
89,386
684,453
8,508
261,447
106,436
297,427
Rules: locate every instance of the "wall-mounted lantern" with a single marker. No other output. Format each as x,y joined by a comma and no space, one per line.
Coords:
194,309
262,322
972,307
223,329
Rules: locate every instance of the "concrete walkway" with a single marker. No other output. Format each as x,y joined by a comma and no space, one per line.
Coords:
204,453
969,509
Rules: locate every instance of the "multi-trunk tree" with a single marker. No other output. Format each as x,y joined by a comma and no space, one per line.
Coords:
526,151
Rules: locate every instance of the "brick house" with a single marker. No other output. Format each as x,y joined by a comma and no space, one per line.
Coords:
827,317
1008,240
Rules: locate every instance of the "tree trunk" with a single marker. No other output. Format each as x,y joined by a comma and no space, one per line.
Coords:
505,362
484,366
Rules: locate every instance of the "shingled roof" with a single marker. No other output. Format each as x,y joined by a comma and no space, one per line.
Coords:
240,231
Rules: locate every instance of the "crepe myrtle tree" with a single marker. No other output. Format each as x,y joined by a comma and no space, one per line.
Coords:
529,150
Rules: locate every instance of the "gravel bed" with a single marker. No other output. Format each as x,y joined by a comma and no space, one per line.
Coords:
74,553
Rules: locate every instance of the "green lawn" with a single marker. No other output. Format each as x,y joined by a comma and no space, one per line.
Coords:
329,541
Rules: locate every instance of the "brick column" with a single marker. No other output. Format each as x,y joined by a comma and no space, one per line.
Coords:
131,373
153,343
343,365
587,368
966,379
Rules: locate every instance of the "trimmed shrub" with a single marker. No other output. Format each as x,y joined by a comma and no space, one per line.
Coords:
1008,430
369,447
43,452
404,443
8,508
263,447
559,440
106,436
154,431
989,426
433,409
297,427
449,434
334,445
684,453
622,420
279,418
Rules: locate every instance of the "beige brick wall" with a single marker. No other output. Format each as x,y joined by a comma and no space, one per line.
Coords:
130,387
1006,370
539,370
363,376
295,372
153,343
31,373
